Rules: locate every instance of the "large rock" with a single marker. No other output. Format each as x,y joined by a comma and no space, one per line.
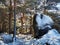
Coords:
7,38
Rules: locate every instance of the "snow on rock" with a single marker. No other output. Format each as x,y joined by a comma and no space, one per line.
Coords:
20,40
7,38
52,38
17,42
46,20
53,32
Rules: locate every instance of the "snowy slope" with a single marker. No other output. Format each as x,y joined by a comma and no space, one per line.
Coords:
52,38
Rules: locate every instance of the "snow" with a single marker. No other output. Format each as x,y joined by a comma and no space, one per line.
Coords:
7,38
58,16
52,11
53,8
2,43
39,6
58,6
20,40
52,38
44,21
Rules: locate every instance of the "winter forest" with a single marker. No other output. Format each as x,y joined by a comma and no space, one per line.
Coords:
29,22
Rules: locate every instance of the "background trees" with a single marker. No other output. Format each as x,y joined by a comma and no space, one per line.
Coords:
7,17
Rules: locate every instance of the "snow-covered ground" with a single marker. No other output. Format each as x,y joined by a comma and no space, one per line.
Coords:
52,37
54,8
20,39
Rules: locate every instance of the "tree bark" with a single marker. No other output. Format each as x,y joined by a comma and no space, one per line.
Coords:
10,16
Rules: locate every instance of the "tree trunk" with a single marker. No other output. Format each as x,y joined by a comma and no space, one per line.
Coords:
10,15
21,24
30,24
